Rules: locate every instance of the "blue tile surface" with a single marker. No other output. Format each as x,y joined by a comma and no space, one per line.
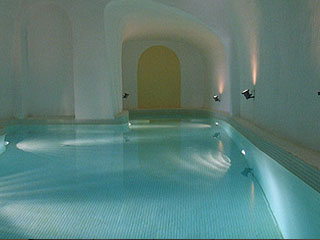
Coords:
163,179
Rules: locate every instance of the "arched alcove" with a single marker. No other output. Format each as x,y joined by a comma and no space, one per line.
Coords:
48,62
159,79
193,67
138,19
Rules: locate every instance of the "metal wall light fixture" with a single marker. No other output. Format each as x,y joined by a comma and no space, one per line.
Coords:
246,93
319,93
125,95
216,98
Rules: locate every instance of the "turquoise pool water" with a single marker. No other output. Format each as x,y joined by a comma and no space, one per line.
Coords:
154,179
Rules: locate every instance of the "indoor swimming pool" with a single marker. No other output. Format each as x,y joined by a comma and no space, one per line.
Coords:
158,178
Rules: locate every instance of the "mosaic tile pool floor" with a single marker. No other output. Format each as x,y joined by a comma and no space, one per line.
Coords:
154,180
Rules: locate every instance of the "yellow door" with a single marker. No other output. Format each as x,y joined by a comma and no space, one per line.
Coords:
159,79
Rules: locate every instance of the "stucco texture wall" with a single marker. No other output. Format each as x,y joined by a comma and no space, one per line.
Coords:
278,44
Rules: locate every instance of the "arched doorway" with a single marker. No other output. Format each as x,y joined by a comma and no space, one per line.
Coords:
159,79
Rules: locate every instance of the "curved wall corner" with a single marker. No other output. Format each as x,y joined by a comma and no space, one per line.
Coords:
140,19
46,85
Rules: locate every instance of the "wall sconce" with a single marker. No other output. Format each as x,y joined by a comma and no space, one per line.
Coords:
216,98
125,95
246,93
319,93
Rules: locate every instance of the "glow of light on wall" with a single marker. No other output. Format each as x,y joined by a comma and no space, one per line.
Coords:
254,69
254,60
221,84
314,38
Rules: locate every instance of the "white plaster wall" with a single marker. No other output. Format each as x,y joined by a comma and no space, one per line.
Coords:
96,95
219,17
41,60
93,94
49,82
7,18
90,86
283,38
136,20
193,71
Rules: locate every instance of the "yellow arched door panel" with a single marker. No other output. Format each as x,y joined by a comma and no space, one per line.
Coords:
159,79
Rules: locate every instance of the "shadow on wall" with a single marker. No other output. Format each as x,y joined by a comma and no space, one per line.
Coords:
125,20
46,82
